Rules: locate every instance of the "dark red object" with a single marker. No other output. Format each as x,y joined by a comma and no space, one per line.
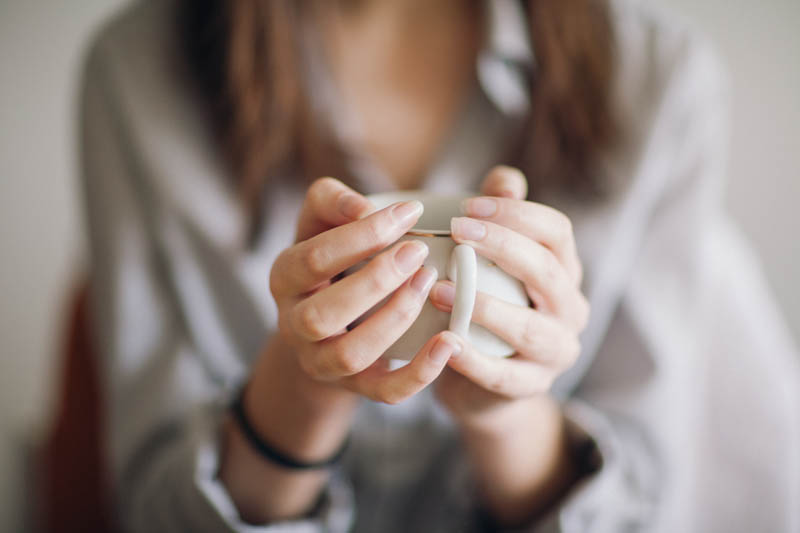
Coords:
75,489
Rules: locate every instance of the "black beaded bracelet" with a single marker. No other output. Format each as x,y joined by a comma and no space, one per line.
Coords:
270,453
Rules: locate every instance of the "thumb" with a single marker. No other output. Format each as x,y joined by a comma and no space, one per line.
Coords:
507,182
329,203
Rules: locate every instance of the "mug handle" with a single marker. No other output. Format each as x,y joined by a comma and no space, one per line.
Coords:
463,270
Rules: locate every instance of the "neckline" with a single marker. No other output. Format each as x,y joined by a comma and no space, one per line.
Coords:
501,26
370,176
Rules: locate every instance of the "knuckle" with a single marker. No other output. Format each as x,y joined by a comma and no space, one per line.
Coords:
582,313
383,274
503,242
278,281
573,351
563,226
308,322
405,312
375,231
530,331
422,378
498,383
389,397
312,363
551,269
546,382
372,395
345,361
316,261
376,282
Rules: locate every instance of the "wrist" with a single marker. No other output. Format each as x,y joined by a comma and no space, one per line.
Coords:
521,459
298,419
506,416
535,425
301,416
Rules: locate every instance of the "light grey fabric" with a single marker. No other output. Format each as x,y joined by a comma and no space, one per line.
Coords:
687,384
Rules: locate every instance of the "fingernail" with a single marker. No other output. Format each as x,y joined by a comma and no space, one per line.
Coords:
410,255
404,213
350,205
468,228
423,280
479,207
445,348
444,294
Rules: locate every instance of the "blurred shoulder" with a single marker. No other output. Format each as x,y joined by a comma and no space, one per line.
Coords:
662,55
139,43
137,92
671,105
140,27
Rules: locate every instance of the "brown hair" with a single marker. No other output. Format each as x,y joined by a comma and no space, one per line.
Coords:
245,56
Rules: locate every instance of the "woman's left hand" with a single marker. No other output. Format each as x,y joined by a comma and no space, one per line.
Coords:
535,244
513,430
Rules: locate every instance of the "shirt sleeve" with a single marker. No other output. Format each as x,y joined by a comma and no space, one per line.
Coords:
691,399
164,406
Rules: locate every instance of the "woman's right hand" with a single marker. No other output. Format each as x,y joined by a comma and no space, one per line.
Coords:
314,312
303,389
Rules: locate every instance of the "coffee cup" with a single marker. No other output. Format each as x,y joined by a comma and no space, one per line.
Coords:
459,263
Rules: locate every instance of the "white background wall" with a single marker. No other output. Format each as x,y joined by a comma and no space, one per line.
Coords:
760,43
40,233
40,242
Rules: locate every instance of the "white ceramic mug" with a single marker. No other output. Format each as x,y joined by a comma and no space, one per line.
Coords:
459,263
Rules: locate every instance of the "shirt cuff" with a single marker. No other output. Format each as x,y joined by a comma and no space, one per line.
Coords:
609,495
613,492
333,513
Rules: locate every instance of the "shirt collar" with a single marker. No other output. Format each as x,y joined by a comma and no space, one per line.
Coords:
507,57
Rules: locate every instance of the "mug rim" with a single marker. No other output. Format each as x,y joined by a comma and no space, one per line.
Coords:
428,233
422,196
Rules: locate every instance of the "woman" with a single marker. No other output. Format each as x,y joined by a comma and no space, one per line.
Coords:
204,126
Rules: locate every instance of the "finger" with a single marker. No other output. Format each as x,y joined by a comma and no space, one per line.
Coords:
352,352
508,377
507,182
304,266
358,349
547,282
533,335
392,387
330,310
329,203
541,223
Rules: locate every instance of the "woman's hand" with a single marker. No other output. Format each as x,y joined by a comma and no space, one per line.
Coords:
314,312
303,390
513,428
533,243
